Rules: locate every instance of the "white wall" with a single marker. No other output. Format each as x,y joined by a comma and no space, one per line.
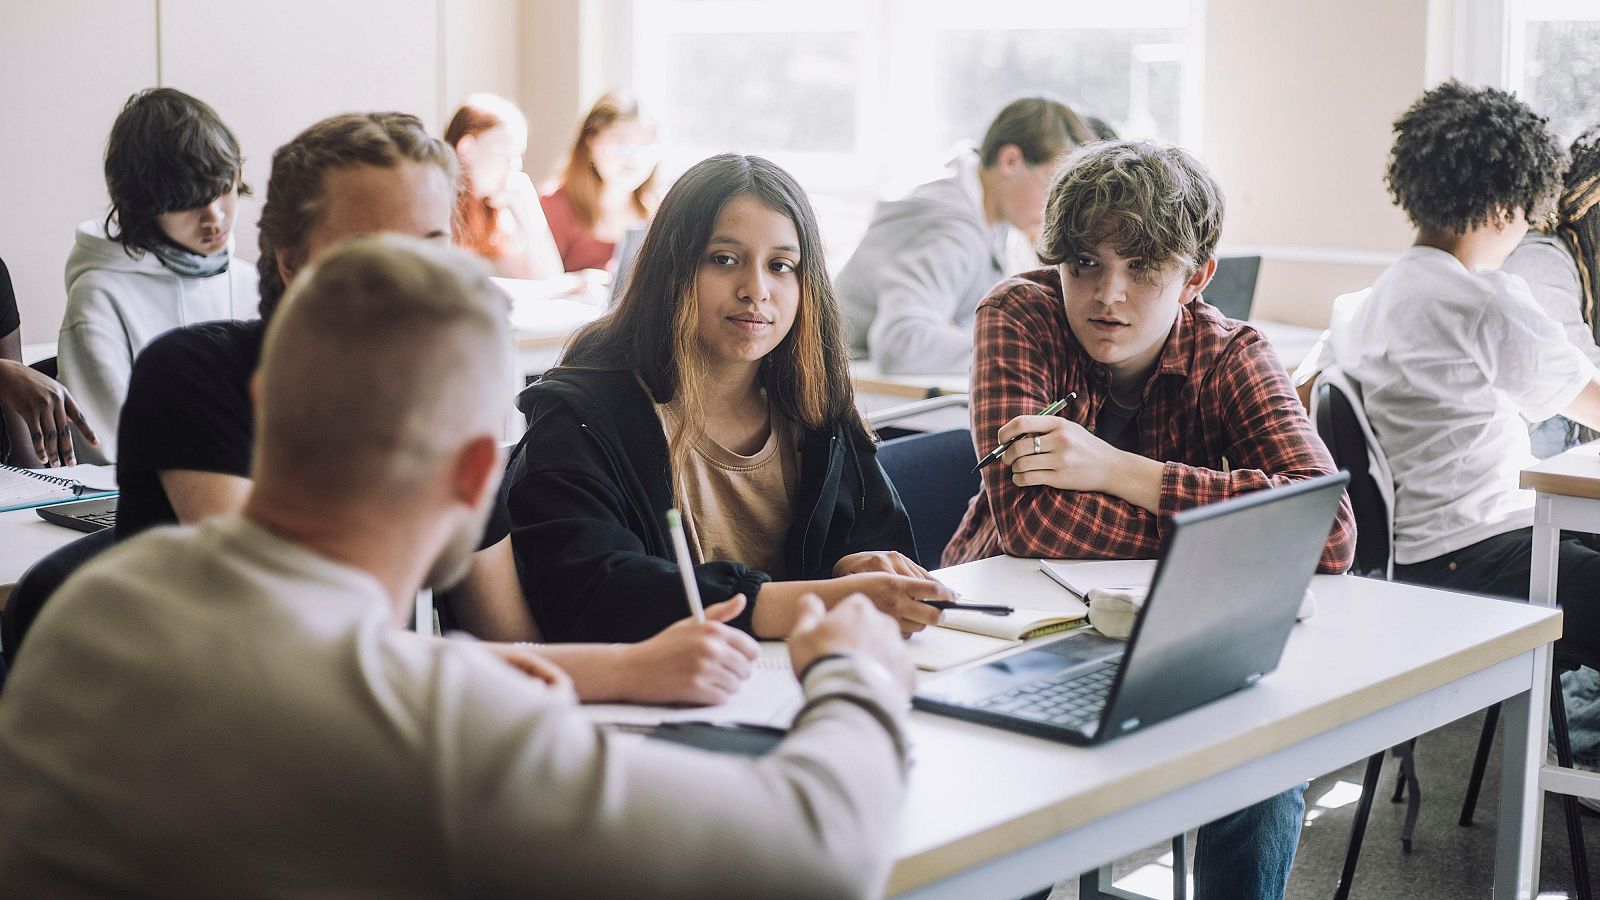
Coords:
1299,100
269,69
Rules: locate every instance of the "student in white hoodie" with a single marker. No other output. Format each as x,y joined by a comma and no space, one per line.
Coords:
162,257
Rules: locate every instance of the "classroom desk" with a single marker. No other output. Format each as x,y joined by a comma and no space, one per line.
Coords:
996,814
1566,495
24,539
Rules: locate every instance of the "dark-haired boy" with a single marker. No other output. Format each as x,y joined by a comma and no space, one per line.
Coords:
1176,406
1453,358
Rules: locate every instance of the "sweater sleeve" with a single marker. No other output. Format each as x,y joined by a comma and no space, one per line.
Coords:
581,545
879,520
94,362
537,799
918,282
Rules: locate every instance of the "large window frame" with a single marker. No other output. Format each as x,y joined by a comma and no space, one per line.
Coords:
895,117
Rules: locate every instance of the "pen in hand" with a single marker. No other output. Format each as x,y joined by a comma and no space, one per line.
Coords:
1050,410
990,609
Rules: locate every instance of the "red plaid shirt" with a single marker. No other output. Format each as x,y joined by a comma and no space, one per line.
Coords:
1219,410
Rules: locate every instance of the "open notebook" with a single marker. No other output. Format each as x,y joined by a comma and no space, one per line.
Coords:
965,636
771,697
25,488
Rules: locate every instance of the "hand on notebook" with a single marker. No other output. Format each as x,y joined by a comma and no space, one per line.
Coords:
852,626
46,408
695,663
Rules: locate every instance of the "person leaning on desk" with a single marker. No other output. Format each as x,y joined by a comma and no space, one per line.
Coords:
1175,406
277,731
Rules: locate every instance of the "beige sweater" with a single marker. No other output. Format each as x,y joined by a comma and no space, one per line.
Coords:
218,712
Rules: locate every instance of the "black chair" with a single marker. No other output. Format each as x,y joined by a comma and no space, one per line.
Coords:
933,473
1341,421
37,584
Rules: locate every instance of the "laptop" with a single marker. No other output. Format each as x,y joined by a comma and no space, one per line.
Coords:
627,251
83,515
1219,610
1233,289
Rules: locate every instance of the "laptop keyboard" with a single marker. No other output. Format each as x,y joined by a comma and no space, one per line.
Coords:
1071,699
105,519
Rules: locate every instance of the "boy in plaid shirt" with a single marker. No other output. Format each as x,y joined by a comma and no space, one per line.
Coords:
1176,406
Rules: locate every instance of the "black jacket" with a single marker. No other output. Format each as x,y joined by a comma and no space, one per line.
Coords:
588,489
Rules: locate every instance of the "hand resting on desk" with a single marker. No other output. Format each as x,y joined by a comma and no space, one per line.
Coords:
852,626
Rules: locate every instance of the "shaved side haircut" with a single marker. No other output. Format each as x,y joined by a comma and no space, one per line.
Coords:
385,357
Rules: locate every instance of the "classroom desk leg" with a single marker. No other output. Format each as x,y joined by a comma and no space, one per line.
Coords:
1525,725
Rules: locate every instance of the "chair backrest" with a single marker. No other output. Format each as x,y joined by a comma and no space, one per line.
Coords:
933,473
1341,420
40,581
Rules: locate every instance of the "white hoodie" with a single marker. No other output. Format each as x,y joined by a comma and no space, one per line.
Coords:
116,304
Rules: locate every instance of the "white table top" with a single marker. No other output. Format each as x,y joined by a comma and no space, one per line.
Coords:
24,539
978,793
1570,473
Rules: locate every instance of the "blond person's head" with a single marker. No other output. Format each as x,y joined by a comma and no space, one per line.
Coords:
383,378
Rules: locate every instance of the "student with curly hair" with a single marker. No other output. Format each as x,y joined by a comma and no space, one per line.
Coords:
162,258
1175,406
1558,260
1452,355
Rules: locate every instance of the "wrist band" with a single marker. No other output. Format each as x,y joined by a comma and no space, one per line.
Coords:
819,660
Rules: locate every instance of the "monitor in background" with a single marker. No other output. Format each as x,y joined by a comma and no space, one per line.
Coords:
1233,288
627,251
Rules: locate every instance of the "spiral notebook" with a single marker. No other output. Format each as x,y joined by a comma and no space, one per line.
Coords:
26,488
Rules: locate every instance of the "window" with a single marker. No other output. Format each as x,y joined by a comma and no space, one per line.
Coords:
1554,61
1544,50
860,96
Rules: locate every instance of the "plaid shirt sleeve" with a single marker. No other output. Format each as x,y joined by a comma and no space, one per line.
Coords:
1012,376
1248,416
1265,439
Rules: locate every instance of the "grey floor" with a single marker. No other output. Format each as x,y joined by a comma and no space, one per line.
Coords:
1446,860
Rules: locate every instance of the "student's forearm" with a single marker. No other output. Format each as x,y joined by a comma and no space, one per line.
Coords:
1136,479
599,671
778,605
1585,409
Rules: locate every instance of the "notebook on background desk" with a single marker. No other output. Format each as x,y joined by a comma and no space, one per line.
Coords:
25,488
1225,594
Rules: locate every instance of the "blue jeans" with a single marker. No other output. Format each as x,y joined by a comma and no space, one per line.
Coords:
1247,855
1582,690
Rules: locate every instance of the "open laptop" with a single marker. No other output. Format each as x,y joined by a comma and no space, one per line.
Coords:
1233,289
1218,613
627,251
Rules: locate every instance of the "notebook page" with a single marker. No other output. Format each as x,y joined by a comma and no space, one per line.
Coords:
1082,577
771,696
20,490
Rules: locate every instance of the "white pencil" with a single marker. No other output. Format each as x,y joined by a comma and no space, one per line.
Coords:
685,565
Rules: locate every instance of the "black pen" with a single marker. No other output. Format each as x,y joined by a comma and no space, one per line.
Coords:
1050,410
989,609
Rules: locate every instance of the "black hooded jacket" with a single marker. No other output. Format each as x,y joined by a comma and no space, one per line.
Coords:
588,489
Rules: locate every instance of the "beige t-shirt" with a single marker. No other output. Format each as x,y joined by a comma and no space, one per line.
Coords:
738,507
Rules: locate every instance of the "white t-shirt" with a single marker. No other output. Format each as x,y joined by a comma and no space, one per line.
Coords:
1450,363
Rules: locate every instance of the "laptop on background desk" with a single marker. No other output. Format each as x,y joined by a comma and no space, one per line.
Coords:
1224,596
